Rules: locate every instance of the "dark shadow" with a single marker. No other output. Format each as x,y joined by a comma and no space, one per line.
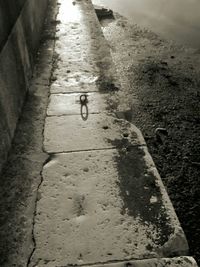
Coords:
104,13
137,185
84,107
84,115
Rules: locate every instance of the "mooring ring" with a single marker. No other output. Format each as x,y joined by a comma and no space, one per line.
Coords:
83,99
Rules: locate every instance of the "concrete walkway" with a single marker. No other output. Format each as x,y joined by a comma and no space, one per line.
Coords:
101,201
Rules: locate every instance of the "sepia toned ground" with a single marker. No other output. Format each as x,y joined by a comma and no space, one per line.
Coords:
82,189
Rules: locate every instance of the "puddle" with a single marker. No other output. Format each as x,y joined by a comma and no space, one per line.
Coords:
178,20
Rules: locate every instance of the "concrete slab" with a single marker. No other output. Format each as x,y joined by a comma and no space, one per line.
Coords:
81,46
59,88
99,131
81,76
69,104
103,206
76,79
74,66
81,34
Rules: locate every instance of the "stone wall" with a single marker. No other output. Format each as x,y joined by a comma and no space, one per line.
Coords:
9,12
21,25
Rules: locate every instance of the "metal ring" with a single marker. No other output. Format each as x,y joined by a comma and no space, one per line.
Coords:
83,99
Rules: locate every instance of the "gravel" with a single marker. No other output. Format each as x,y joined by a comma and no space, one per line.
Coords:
161,90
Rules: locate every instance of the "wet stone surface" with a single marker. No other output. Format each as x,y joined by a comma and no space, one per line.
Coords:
61,88
83,55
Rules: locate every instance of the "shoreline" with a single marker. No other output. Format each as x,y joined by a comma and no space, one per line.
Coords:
160,89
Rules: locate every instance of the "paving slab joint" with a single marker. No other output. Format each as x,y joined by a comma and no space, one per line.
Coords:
35,211
183,261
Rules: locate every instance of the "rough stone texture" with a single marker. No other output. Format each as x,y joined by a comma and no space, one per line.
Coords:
16,64
101,206
58,88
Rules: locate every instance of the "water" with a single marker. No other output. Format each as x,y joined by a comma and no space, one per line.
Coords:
173,19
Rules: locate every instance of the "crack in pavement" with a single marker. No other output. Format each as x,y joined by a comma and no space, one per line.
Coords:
55,10
94,149
35,212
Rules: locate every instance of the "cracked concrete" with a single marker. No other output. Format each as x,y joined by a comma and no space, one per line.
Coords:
101,199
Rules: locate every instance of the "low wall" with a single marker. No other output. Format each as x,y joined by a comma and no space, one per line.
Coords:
16,65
